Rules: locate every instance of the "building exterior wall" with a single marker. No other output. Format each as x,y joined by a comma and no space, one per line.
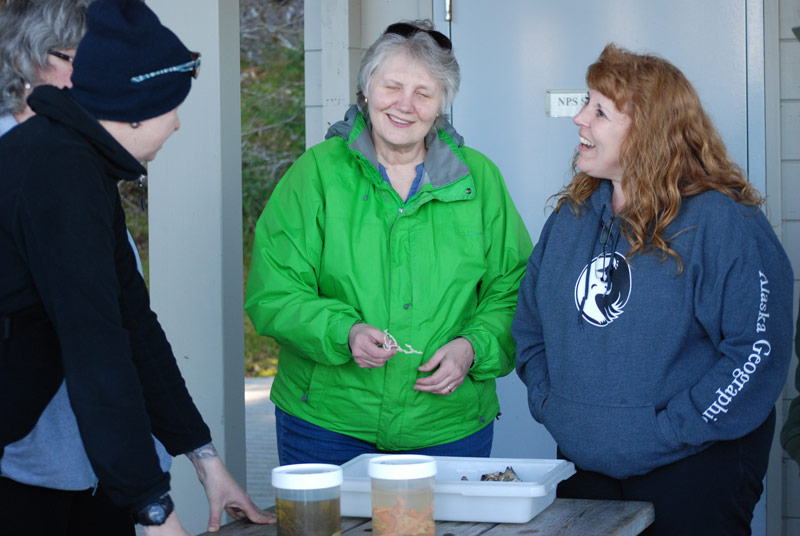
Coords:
789,173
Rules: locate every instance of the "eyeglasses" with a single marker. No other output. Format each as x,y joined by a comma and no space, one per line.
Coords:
191,67
57,54
407,30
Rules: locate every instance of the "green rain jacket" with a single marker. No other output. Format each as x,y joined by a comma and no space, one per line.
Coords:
336,245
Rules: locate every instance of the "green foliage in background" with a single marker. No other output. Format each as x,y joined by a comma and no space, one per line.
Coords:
273,137
273,129
136,218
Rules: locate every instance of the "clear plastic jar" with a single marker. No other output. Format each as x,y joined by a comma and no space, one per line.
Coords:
402,495
307,499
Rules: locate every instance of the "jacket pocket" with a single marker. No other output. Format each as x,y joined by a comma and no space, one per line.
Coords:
317,383
537,399
469,398
619,441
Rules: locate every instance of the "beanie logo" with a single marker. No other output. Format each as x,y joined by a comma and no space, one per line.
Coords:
609,287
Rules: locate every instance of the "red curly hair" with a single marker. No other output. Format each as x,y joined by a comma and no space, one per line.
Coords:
671,150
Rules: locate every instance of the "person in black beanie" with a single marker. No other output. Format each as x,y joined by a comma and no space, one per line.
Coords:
73,306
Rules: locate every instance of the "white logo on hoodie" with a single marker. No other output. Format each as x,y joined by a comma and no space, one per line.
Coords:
609,287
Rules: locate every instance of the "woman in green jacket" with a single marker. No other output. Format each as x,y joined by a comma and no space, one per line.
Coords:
386,264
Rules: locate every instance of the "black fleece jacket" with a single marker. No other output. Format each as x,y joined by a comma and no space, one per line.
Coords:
64,252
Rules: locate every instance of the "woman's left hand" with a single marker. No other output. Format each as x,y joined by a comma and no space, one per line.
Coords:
453,360
223,491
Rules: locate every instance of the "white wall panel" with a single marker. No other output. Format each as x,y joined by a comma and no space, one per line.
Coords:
791,243
790,130
790,192
789,18
790,69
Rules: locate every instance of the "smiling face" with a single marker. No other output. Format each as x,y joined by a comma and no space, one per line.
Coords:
602,130
403,101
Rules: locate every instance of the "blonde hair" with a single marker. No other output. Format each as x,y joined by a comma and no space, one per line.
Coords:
671,150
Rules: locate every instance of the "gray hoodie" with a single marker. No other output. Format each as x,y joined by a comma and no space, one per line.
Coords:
632,366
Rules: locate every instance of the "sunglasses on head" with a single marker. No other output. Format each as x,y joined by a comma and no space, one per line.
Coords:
191,67
407,30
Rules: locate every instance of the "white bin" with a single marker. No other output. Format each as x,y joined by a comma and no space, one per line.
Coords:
470,500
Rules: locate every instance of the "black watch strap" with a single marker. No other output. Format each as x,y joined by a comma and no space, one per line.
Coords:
156,512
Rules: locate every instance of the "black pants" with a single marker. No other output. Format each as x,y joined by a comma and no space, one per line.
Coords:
709,493
34,511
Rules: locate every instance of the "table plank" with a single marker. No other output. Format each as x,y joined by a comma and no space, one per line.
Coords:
245,528
565,517
582,517
443,528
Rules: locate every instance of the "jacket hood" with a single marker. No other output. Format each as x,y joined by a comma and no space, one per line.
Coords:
606,238
601,200
59,106
442,165
343,128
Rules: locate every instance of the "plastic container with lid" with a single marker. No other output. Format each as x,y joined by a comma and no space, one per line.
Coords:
460,495
307,499
402,495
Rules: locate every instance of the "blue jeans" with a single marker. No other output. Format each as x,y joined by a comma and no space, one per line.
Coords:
300,441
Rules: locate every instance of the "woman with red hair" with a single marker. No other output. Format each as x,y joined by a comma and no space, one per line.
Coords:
654,323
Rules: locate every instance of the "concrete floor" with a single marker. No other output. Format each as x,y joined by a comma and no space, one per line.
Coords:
262,453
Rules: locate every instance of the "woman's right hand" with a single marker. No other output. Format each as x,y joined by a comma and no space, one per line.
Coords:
171,527
366,345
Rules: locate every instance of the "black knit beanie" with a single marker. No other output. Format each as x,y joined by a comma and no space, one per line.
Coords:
129,67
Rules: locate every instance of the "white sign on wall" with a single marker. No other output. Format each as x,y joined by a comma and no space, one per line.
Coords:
565,102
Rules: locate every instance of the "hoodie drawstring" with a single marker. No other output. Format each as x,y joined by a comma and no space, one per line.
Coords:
588,267
603,234
609,268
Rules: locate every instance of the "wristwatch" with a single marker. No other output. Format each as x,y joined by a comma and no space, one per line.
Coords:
155,513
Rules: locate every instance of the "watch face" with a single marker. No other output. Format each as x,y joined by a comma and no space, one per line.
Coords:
156,514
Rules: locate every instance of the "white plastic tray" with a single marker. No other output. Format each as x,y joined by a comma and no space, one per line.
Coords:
471,500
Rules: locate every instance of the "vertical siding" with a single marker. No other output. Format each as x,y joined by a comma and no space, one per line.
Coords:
337,34
312,43
790,210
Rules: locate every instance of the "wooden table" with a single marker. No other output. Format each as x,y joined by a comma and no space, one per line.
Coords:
565,517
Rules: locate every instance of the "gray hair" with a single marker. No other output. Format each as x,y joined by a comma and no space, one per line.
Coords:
441,64
28,29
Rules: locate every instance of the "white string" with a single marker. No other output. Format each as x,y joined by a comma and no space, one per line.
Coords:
390,343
